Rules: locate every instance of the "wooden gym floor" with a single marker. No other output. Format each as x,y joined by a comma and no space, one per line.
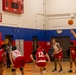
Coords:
30,66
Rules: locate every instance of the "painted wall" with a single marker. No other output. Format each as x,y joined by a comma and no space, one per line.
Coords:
31,18
31,22
27,35
61,6
59,12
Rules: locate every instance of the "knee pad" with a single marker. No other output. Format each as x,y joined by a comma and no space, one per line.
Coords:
13,70
21,68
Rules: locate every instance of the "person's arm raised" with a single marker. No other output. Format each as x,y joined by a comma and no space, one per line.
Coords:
72,31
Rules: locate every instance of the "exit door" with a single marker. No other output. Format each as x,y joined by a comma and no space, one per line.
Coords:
8,38
64,42
20,45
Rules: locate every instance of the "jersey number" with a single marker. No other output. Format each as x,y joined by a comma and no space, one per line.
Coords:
40,54
16,52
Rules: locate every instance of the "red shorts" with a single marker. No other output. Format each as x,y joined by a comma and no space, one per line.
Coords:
59,55
73,57
41,64
1,62
19,62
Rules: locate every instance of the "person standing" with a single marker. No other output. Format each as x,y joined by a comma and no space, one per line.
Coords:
2,55
3,46
8,49
72,49
57,54
17,60
74,34
40,57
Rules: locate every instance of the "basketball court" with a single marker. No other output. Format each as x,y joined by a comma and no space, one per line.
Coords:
29,70
23,23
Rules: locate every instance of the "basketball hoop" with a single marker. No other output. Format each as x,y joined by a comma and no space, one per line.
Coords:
0,17
59,31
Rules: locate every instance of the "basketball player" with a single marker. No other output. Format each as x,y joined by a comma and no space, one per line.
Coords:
2,55
72,55
17,60
34,56
40,57
44,69
57,53
74,34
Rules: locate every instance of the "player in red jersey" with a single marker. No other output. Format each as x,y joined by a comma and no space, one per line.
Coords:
72,49
2,54
40,57
57,54
44,69
17,60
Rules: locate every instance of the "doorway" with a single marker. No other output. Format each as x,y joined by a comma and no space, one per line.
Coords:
8,38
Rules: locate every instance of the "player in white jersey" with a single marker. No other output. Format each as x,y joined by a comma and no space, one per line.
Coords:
57,55
17,60
15,54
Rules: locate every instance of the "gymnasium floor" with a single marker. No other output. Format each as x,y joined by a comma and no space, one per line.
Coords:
29,70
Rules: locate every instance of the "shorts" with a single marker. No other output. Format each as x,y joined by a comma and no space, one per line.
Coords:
73,57
59,55
19,62
41,64
1,62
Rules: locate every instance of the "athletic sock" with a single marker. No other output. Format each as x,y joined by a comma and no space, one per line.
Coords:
55,68
60,68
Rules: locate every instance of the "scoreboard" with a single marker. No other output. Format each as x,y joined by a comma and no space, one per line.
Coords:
15,6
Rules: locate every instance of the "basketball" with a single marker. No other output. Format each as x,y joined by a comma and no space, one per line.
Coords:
70,22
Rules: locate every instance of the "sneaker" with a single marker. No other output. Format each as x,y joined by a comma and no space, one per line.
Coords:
70,71
54,70
44,70
60,70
